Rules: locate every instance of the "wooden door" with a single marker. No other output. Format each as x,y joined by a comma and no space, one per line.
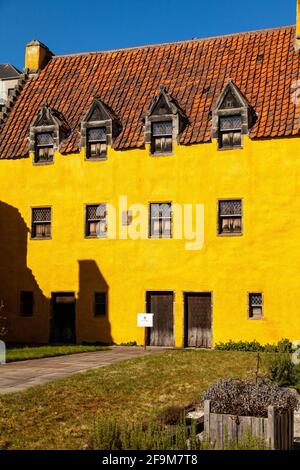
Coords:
161,305
198,320
62,326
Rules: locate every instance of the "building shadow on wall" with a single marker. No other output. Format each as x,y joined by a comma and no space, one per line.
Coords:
15,276
93,324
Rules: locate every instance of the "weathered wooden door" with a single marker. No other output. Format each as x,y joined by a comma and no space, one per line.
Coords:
198,322
161,305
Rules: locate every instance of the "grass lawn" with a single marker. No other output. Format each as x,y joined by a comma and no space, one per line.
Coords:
61,414
36,352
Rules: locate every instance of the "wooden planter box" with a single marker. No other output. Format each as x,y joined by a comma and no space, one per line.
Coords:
277,429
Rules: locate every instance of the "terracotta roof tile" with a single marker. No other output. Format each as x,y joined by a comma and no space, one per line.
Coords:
263,64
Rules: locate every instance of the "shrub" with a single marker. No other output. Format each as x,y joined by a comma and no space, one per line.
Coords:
247,398
171,415
283,345
111,434
281,369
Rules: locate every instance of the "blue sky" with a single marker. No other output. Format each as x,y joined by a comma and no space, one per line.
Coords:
67,26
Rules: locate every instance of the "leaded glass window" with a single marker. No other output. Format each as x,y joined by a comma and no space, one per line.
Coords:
162,137
41,223
230,216
44,147
161,220
255,306
230,131
96,143
96,226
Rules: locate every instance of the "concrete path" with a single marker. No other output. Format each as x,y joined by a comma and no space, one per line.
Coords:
17,376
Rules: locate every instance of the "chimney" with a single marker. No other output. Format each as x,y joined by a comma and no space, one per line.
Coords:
298,25
37,55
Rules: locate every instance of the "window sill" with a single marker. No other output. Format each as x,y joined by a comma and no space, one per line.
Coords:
40,238
161,154
43,163
255,319
230,234
224,149
100,159
95,237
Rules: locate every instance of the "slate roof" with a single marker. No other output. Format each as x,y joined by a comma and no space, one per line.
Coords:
264,65
8,71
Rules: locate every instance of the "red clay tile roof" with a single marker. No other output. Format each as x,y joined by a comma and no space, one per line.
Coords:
263,64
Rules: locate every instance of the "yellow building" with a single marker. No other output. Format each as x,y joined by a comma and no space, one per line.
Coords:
207,125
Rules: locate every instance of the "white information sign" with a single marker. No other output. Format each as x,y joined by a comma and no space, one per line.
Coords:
145,320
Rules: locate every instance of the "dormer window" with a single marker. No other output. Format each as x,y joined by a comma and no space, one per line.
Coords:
96,143
44,147
46,133
230,131
98,128
162,137
164,122
232,118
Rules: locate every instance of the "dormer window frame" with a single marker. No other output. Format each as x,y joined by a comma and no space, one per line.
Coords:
244,111
86,126
175,116
175,130
55,137
48,121
109,121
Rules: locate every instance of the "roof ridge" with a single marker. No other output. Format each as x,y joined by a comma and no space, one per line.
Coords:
170,43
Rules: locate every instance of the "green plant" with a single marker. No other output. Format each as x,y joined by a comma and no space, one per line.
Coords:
281,369
283,345
171,415
111,434
247,398
114,434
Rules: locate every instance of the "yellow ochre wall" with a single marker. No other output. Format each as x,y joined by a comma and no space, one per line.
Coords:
266,258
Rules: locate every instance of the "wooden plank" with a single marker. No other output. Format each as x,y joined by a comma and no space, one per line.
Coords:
161,304
271,427
198,319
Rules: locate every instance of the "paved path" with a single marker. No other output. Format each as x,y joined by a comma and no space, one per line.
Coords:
16,376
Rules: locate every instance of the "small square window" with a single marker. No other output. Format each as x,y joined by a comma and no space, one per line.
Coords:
96,143
230,132
44,147
41,223
161,220
95,224
162,138
256,306
100,304
26,303
230,217
10,91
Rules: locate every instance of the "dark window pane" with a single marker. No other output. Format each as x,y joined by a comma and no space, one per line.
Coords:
44,138
26,303
230,123
162,128
233,207
100,303
97,134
